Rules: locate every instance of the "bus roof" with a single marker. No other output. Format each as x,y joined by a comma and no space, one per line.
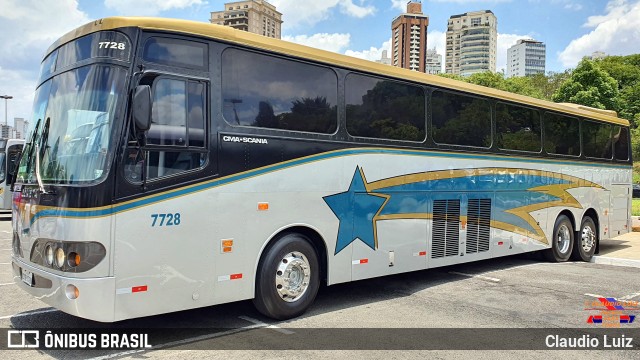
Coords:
231,35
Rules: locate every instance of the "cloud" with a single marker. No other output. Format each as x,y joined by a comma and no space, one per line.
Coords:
373,53
296,13
616,33
331,42
505,41
149,7
29,27
399,5
471,1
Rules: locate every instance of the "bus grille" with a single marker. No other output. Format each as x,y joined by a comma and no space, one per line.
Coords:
478,225
445,235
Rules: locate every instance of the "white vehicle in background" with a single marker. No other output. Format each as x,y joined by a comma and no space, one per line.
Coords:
10,150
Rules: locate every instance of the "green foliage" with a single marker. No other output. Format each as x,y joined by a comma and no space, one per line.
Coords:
625,69
591,86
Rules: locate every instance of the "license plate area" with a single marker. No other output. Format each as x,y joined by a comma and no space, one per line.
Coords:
27,277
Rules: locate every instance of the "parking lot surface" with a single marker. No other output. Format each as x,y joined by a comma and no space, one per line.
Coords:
512,293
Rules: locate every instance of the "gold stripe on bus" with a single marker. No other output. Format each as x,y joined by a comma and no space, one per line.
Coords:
227,34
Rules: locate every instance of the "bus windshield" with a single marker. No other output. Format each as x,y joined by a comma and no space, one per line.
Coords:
72,127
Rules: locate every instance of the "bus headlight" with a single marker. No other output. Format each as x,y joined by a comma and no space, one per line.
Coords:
60,257
67,256
49,255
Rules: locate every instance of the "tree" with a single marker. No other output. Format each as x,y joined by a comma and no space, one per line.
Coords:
591,86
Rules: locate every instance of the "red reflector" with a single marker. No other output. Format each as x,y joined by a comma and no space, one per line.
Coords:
500,243
235,276
139,288
423,253
364,261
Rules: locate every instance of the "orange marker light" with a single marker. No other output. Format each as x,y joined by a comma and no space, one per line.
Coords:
227,243
263,206
226,249
76,259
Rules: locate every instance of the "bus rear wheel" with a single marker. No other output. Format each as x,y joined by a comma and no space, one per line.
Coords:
562,241
586,241
288,278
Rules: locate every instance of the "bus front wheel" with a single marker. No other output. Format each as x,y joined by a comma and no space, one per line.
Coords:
288,278
562,241
586,241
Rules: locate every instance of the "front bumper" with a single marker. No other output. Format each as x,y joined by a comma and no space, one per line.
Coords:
95,302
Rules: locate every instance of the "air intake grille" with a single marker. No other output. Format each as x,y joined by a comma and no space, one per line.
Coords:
478,225
445,237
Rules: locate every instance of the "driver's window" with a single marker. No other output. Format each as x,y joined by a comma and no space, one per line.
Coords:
176,141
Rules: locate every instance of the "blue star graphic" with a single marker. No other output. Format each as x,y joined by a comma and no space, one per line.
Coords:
355,208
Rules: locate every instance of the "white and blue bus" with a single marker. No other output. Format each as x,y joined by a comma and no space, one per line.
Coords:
172,165
10,150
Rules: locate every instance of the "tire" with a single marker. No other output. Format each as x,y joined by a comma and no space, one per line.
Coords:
562,241
283,271
586,240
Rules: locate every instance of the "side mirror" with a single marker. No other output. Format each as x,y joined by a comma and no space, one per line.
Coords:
142,107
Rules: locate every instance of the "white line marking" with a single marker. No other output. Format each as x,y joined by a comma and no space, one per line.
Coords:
5,249
273,327
594,295
475,276
7,284
629,297
28,313
5,263
180,342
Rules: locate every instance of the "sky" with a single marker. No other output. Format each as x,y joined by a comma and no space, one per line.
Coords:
570,29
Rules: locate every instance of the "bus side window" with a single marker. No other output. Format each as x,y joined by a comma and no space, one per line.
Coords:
176,139
621,143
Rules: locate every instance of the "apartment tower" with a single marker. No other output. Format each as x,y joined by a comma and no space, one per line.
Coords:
472,42
409,38
256,16
526,57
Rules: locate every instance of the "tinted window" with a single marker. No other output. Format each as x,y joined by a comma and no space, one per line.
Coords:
176,52
384,109
265,91
596,140
562,135
518,128
178,110
460,119
161,163
48,66
621,142
107,44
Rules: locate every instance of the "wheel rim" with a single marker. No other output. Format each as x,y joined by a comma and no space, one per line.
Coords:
292,276
564,239
587,238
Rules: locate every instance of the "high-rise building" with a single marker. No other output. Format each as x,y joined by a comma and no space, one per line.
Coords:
434,62
256,16
526,57
6,131
409,38
472,42
597,55
384,59
20,128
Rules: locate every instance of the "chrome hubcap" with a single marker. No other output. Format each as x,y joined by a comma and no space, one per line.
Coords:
564,239
588,238
292,276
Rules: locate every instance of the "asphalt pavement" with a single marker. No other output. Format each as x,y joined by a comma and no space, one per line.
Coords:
495,298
